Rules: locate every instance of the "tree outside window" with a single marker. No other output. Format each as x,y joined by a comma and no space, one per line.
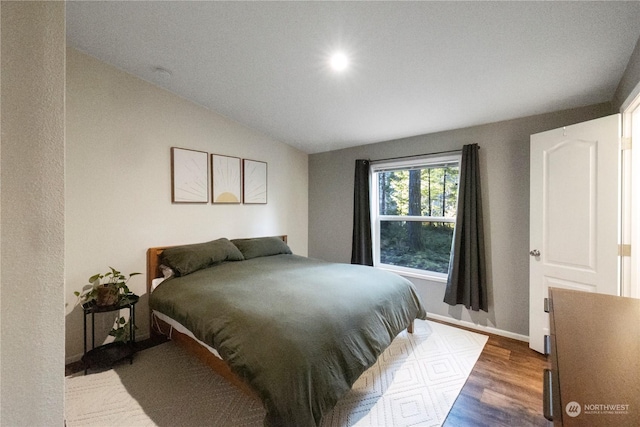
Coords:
415,211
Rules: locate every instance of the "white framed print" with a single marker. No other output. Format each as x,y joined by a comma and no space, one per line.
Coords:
226,179
189,176
254,189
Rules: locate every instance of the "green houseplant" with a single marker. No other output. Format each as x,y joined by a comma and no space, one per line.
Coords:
108,289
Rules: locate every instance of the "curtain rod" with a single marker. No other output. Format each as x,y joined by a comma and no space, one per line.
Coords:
417,155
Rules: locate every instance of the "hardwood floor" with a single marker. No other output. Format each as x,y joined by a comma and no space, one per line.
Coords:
504,388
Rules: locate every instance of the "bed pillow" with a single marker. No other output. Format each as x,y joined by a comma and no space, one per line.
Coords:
167,272
189,258
261,246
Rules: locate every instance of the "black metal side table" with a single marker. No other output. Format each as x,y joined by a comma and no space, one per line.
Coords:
108,354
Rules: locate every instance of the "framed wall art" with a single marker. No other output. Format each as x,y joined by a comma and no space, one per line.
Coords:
254,190
189,176
226,179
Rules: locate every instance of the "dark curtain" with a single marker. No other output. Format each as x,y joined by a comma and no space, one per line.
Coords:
361,249
467,283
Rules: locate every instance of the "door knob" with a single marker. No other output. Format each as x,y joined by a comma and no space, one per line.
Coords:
535,253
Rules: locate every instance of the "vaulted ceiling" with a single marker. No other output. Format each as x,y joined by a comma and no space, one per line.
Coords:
413,67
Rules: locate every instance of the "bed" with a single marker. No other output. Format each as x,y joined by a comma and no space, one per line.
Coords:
294,331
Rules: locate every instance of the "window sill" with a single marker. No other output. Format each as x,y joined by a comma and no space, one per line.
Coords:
414,273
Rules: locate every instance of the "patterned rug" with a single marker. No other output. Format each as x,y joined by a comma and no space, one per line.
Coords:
414,383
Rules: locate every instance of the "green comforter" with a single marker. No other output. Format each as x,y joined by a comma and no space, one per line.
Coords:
299,331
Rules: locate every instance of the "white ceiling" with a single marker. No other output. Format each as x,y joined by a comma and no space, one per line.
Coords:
416,67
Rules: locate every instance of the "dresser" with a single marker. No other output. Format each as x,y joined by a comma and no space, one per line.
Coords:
594,348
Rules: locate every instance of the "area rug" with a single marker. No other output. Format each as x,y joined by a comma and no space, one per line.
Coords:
414,383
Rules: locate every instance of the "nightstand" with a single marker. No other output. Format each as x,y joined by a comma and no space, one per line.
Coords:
108,354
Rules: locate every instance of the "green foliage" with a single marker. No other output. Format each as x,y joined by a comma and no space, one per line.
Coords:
114,277
434,254
438,190
432,192
121,331
117,280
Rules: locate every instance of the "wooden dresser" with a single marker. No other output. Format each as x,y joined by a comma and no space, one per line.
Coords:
595,360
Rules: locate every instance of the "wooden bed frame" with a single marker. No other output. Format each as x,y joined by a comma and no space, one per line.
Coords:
160,328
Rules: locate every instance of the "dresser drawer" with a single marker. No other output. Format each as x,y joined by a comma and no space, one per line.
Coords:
594,345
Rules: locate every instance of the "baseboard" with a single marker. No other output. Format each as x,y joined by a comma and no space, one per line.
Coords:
72,359
77,357
481,328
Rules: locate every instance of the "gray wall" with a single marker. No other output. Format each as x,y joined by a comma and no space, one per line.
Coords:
630,79
504,160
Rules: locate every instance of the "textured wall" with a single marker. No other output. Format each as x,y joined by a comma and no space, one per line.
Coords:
32,217
118,180
504,160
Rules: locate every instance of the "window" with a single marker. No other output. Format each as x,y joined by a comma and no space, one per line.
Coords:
414,205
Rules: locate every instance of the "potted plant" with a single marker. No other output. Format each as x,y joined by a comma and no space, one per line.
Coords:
105,290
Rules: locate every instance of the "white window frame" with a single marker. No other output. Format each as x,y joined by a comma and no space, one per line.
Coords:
405,164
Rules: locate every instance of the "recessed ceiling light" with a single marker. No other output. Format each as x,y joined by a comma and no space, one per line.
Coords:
162,72
339,61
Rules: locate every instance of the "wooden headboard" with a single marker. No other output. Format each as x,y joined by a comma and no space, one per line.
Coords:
153,262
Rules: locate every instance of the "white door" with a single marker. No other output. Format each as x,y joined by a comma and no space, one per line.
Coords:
574,214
